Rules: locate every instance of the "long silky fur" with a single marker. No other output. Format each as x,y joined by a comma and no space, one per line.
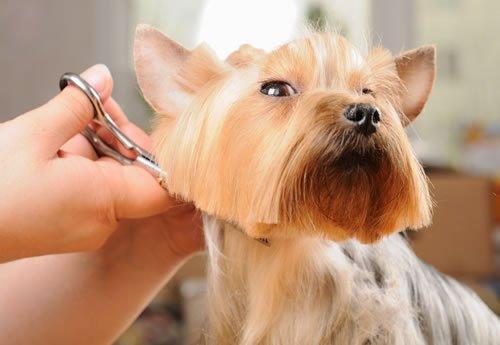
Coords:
291,170
314,291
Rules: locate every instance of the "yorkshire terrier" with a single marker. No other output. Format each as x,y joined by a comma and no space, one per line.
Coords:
299,160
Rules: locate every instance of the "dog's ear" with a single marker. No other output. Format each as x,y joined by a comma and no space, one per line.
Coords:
245,55
169,74
416,69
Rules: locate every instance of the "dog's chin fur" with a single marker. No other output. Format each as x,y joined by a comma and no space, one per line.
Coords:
363,192
281,166
293,171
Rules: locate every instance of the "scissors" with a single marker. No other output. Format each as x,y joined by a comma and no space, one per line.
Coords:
143,158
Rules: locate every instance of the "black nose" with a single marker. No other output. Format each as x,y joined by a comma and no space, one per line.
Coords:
365,116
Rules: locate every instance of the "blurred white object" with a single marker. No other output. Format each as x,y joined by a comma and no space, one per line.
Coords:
226,24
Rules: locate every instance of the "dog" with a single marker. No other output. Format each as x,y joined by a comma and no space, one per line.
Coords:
299,160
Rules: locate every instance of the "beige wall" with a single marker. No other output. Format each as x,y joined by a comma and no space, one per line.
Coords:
467,88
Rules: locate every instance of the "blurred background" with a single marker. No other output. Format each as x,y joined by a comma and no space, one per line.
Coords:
457,137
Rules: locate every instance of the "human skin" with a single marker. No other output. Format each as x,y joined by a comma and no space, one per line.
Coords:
57,203
91,297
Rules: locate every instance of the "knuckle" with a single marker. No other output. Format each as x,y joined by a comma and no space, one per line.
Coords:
106,215
100,209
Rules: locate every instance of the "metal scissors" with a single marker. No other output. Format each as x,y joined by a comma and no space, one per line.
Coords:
143,158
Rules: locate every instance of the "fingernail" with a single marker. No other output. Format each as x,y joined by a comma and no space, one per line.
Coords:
97,76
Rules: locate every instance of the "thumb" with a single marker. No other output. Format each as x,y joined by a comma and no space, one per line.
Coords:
69,112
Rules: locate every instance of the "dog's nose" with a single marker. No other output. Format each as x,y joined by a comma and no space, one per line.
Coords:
365,116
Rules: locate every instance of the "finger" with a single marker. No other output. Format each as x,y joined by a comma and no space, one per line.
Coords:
135,133
79,145
116,112
130,130
127,127
54,123
139,136
135,192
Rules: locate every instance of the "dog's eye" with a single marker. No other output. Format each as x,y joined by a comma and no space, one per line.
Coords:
367,91
277,89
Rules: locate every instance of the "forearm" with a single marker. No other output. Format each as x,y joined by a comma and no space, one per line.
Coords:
82,298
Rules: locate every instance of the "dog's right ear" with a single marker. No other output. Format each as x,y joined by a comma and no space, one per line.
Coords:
417,71
169,74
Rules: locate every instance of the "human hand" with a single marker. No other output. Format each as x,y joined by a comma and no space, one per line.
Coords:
57,201
165,238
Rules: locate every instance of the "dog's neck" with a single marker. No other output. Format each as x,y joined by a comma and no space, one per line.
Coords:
312,291
260,294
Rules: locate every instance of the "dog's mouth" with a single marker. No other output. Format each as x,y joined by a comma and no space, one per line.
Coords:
347,172
343,158
352,161
339,176
353,184
357,152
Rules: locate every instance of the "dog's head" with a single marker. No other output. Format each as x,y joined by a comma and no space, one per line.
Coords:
306,139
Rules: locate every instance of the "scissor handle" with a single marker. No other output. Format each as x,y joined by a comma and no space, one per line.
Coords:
144,158
100,115
89,91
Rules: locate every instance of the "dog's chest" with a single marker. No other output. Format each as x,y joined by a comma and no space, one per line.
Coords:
306,291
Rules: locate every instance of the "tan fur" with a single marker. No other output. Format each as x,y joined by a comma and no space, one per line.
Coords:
275,166
289,169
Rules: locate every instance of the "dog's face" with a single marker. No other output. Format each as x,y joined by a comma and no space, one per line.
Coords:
306,139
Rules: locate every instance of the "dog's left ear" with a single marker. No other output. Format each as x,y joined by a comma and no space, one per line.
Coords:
169,74
416,69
